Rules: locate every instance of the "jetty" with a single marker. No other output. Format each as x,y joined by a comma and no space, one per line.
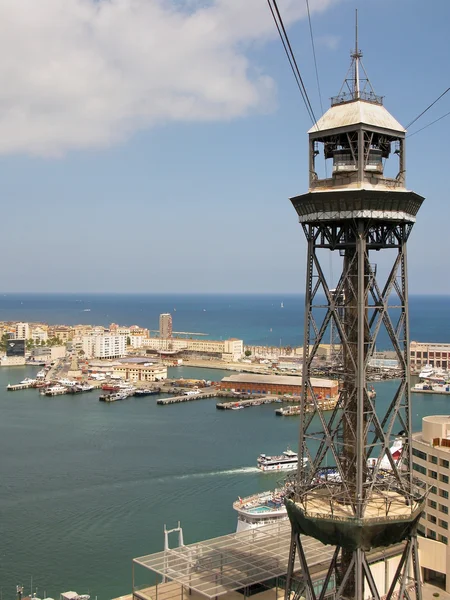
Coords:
20,386
187,398
233,404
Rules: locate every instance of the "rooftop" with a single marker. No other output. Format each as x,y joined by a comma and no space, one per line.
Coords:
278,380
354,113
222,565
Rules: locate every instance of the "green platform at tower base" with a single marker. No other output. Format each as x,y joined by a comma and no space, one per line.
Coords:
351,533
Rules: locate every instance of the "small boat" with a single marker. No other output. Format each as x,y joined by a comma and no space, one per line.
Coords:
237,407
55,390
147,392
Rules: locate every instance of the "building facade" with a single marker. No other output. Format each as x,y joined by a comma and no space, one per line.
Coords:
431,463
22,331
104,346
141,371
165,325
425,353
249,383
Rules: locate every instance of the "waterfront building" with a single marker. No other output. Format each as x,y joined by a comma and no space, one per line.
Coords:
22,331
165,325
249,383
231,350
15,353
47,354
424,353
104,345
431,463
140,371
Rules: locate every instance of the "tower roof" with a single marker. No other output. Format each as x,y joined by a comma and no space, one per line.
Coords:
356,112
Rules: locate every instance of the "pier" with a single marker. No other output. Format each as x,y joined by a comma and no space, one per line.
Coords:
187,398
19,386
246,403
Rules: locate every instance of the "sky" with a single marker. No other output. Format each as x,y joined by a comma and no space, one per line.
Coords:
153,145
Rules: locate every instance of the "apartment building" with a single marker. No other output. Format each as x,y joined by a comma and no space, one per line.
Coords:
431,463
165,325
104,345
22,331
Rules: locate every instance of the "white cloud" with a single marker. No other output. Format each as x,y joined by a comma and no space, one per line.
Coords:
88,73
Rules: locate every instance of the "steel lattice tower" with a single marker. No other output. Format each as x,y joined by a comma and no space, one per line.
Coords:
368,498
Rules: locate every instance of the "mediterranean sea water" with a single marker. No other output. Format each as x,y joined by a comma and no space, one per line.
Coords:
257,319
86,486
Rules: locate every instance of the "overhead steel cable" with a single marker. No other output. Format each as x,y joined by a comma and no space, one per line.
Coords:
427,108
291,57
314,56
429,124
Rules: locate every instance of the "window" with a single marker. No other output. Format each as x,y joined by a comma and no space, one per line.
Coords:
432,504
431,518
419,468
419,454
433,489
444,463
443,493
431,534
432,474
443,539
443,508
443,524
434,460
443,478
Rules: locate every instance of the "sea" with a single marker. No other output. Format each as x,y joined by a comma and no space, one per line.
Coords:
86,486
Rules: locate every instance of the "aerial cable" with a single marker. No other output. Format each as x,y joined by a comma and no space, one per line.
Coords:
314,56
429,124
291,58
427,108
294,60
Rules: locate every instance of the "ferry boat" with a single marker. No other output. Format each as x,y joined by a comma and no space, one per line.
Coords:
260,509
287,461
55,390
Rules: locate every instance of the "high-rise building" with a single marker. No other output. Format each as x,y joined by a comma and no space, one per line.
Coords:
165,325
22,331
354,214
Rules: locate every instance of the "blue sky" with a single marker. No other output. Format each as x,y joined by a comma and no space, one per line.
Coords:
145,150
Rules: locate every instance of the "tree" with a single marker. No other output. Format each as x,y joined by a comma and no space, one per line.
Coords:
4,341
248,353
128,340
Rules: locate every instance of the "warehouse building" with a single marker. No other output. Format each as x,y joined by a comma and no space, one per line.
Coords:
249,383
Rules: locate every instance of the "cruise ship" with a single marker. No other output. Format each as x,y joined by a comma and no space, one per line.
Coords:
260,509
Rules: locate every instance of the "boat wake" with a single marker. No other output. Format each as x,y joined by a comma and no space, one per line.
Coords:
238,471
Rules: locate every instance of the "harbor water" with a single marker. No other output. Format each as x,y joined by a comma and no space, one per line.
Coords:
86,486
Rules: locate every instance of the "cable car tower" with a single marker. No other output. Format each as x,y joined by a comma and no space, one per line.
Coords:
369,498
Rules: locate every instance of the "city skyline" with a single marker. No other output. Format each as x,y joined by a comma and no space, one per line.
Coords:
109,192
